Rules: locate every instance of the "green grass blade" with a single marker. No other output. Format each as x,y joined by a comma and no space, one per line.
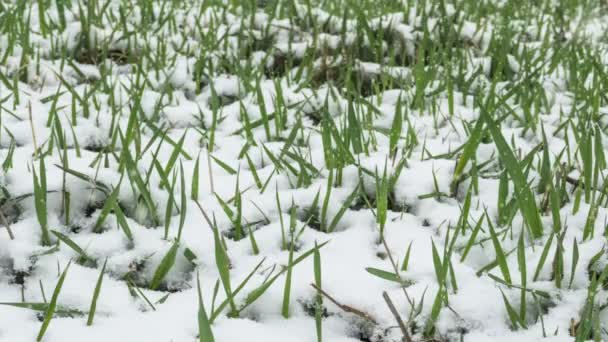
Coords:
164,267
93,307
204,324
48,316
501,258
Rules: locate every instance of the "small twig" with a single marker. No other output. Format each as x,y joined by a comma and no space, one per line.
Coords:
391,306
7,225
29,107
345,307
396,269
454,312
574,181
200,207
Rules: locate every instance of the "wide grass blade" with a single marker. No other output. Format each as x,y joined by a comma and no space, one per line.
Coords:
204,325
164,267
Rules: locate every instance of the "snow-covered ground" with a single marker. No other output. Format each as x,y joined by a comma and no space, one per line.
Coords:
311,165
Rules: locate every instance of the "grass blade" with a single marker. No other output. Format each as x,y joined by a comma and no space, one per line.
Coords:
96,292
48,316
164,267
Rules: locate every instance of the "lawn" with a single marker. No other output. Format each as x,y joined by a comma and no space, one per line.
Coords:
303,170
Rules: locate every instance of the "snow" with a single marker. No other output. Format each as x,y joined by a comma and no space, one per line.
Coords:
476,306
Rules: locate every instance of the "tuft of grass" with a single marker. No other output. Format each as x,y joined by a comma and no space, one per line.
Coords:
40,200
525,197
